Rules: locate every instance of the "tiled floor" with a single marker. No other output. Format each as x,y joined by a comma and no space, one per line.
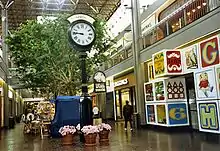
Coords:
141,140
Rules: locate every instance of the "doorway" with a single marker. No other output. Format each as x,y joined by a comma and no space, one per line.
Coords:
121,96
191,99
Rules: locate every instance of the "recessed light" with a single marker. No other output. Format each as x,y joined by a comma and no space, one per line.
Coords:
193,10
188,13
177,24
198,7
203,4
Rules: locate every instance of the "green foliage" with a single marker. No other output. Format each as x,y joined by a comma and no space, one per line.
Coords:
46,62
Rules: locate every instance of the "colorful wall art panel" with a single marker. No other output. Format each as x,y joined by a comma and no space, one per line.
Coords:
176,88
205,84
159,90
190,58
150,114
150,70
174,63
158,60
161,114
149,95
217,72
209,52
178,114
208,116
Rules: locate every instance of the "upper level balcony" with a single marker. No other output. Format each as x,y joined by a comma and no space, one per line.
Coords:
193,19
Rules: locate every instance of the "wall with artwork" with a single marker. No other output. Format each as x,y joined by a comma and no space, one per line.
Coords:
165,100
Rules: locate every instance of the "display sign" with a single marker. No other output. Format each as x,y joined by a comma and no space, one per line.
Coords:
150,68
148,23
205,84
174,63
150,114
190,58
76,17
158,62
161,114
121,82
99,82
177,114
208,116
175,88
209,52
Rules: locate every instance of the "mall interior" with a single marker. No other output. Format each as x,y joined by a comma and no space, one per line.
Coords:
164,62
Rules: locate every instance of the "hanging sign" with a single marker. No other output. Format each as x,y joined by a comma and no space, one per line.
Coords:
99,82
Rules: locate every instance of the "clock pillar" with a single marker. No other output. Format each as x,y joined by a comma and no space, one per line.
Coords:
85,101
82,41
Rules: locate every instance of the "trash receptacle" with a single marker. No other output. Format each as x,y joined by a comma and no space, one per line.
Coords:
11,122
136,120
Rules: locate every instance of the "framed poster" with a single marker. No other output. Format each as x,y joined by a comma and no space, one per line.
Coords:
161,114
209,52
217,72
208,115
190,58
149,94
176,89
174,61
158,62
150,114
159,90
150,67
178,114
205,84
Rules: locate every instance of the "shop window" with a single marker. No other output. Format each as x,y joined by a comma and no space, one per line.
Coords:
121,56
129,52
176,22
196,10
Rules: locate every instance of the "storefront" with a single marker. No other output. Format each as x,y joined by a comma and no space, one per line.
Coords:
124,91
183,86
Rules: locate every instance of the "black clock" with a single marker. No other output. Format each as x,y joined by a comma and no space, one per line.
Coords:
81,35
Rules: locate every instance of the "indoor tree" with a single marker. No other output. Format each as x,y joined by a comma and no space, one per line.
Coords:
45,61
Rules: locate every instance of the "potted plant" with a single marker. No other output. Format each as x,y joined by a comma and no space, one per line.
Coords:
104,130
90,133
67,132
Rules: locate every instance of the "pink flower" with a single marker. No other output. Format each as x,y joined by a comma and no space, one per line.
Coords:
67,130
89,129
104,126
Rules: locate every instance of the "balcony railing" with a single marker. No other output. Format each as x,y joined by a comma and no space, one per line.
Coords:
183,16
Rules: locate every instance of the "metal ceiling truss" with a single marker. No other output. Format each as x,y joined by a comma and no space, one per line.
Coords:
21,10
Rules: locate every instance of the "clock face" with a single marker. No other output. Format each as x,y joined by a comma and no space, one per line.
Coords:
82,34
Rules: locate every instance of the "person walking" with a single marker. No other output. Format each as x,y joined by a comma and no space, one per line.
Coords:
128,112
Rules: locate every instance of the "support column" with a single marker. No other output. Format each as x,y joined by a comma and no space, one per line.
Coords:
5,59
136,30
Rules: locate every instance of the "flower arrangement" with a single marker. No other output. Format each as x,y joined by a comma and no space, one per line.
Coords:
104,126
89,129
67,130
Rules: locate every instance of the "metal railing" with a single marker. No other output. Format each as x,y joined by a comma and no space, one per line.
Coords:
183,16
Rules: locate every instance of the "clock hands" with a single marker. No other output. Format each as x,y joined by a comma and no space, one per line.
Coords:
77,33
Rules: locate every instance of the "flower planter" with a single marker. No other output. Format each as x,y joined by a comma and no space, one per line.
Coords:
67,139
103,136
90,139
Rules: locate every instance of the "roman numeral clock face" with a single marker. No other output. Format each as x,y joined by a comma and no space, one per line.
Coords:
82,34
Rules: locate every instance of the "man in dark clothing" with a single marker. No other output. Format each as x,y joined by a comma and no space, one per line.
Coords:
128,112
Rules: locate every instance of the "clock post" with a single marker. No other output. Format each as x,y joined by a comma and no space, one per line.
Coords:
82,36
